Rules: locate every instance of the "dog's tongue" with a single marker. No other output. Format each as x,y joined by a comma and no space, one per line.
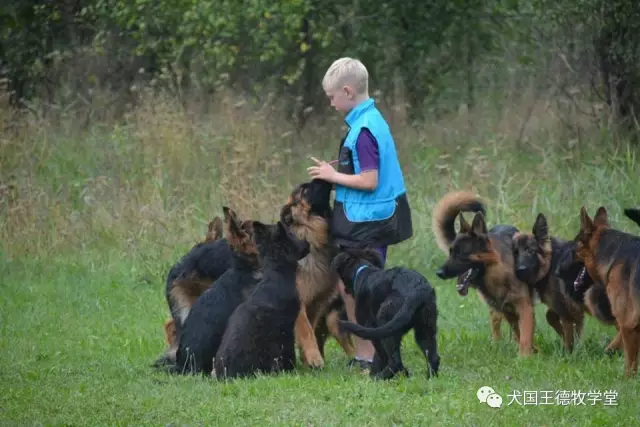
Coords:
463,287
577,284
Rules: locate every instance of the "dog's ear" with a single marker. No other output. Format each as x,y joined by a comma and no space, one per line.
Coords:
229,214
586,225
478,226
215,229
464,225
602,218
235,230
541,229
338,261
260,231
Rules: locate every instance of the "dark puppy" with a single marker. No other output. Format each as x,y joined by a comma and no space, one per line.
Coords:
388,304
207,320
260,334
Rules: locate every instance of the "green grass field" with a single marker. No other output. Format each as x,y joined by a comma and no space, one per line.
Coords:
90,222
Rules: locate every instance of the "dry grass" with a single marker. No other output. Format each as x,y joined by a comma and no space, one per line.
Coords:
92,217
162,172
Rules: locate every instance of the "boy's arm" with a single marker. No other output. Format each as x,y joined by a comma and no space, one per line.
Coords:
368,155
367,180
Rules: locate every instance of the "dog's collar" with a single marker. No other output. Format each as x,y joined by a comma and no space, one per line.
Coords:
355,275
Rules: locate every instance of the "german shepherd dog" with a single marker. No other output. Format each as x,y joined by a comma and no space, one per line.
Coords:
486,260
188,278
203,329
612,257
537,255
388,304
591,296
260,334
192,275
307,214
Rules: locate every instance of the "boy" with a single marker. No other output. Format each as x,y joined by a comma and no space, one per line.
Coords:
371,208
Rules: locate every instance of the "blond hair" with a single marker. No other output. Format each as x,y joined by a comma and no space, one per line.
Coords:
347,71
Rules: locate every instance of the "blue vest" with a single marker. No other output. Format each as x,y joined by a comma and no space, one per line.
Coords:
380,204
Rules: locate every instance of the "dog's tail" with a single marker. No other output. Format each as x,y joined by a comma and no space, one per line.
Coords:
400,322
445,212
633,214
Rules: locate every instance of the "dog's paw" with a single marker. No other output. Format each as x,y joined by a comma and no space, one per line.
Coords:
528,352
313,359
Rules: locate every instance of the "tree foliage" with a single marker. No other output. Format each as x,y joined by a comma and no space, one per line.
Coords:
437,50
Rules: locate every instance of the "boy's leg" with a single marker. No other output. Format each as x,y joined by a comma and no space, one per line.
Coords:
364,348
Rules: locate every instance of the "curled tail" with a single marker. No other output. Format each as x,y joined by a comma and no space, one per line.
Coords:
400,322
446,211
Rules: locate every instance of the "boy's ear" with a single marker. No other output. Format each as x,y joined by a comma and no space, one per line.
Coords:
351,93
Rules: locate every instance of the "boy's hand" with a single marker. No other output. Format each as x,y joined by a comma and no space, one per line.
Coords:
323,170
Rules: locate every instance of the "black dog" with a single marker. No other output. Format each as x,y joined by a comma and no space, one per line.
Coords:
203,328
260,334
388,304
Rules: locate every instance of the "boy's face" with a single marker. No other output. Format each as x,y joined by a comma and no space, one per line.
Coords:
342,98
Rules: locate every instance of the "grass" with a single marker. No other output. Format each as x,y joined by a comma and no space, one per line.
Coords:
91,220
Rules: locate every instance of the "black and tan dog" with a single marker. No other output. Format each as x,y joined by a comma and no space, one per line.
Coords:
591,296
389,303
307,214
188,278
578,284
486,261
537,256
204,326
260,334
612,257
